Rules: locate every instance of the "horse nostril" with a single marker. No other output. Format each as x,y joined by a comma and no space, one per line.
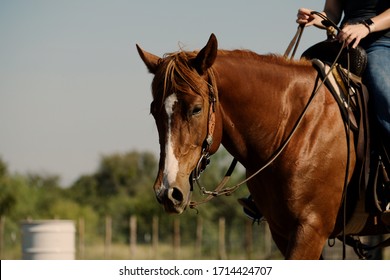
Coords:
177,195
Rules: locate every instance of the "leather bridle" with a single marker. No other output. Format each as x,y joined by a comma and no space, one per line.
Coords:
204,159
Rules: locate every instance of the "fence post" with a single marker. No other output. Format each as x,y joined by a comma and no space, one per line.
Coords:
133,235
199,237
81,234
155,237
2,226
176,238
108,238
248,239
222,243
267,241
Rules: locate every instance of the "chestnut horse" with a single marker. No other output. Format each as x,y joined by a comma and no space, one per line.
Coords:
250,104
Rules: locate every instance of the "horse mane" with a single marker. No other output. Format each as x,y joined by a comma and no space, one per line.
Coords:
176,73
266,58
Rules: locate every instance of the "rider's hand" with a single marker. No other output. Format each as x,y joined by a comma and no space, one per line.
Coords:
306,18
353,33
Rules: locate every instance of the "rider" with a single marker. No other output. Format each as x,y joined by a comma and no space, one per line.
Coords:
365,23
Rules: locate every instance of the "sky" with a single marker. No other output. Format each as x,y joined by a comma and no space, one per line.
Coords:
73,88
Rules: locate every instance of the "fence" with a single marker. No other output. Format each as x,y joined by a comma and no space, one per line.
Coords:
152,248
253,242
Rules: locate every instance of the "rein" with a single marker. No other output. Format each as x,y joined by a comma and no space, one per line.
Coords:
294,42
205,156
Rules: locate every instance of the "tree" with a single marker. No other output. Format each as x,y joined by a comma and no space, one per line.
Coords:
7,198
124,172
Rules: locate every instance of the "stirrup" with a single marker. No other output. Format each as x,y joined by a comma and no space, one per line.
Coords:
250,208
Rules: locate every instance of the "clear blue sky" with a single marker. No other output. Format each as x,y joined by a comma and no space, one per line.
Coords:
72,87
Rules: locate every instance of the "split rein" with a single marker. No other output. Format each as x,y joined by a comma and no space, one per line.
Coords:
205,156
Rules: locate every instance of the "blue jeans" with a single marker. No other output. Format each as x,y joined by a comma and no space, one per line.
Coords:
377,80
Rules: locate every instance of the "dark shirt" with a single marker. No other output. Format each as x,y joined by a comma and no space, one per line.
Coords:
357,10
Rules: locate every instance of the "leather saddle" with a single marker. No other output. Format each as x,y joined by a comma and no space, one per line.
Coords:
354,59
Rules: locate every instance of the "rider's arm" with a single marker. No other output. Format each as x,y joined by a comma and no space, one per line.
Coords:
381,21
355,32
333,10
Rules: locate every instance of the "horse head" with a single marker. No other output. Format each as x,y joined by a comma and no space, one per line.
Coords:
184,109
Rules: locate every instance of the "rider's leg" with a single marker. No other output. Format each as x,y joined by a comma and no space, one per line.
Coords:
377,80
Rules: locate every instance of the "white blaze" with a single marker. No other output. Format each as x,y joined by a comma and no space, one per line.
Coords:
171,162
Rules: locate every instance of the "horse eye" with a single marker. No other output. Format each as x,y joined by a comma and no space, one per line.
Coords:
196,111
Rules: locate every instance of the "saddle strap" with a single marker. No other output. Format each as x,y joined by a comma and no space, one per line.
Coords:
337,85
362,144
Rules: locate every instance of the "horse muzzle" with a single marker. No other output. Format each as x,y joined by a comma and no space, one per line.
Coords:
173,199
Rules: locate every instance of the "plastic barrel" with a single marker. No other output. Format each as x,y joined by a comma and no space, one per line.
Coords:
48,240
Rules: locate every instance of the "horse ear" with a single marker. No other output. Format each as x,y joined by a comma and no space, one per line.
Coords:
151,61
206,57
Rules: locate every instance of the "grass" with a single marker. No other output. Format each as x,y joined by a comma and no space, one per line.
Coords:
164,252
147,252
117,251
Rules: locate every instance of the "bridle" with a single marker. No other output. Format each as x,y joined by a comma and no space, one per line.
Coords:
204,159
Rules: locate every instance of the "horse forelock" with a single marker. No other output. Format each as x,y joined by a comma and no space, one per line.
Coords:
176,75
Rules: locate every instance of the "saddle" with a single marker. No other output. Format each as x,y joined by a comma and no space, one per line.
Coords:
373,161
343,79
354,59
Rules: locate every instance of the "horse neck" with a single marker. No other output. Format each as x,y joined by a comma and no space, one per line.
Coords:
255,105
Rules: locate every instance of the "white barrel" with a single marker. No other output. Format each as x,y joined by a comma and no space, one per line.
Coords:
48,240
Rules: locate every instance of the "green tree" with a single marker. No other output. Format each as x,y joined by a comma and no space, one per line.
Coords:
120,173
7,198
85,191
120,187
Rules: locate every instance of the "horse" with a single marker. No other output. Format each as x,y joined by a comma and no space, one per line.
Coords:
253,105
